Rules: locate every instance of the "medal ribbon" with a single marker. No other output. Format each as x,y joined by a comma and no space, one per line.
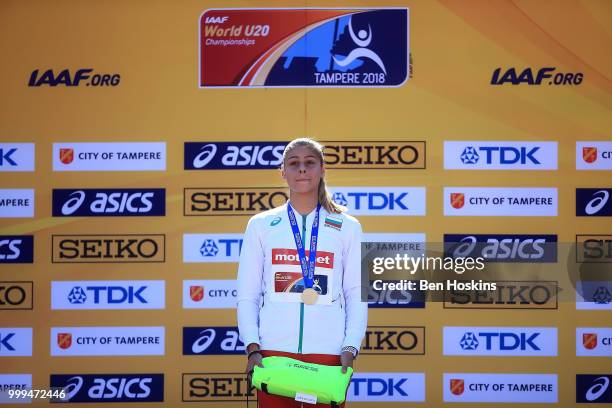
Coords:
308,266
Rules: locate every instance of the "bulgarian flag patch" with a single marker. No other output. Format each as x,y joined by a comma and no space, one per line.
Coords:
333,222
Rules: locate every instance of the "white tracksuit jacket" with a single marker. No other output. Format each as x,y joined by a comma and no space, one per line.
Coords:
270,312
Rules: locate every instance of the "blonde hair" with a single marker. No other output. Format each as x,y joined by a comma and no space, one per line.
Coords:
325,198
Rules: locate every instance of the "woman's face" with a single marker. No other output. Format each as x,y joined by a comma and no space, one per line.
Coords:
302,170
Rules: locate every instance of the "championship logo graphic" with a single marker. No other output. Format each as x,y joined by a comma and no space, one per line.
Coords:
304,47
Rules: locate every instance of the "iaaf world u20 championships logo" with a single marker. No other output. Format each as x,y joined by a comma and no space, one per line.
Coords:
304,47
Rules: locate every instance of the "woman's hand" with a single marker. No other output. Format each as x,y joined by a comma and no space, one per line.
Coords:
254,359
346,359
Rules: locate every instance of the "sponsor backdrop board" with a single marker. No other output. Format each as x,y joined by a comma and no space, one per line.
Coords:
136,142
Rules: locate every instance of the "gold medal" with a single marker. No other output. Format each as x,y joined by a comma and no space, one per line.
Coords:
310,296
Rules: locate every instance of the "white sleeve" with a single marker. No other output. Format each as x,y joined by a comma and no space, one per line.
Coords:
250,272
356,310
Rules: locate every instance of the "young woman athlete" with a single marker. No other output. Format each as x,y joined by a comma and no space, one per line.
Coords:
310,311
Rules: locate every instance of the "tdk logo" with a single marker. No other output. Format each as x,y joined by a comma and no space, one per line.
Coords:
16,249
211,247
233,155
593,202
503,247
107,202
387,387
107,294
500,341
15,342
505,341
539,77
381,200
212,340
6,157
216,20
593,388
109,387
499,155
504,155
81,77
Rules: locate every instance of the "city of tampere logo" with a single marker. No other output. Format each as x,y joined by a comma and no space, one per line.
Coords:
196,293
457,386
64,340
457,200
589,154
589,340
66,155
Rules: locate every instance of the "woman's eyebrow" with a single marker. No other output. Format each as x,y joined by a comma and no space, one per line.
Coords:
308,156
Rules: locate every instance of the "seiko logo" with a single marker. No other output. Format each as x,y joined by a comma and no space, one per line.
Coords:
594,248
394,340
232,201
108,248
508,295
217,387
16,295
374,155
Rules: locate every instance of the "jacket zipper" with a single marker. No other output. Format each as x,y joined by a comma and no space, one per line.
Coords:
301,303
